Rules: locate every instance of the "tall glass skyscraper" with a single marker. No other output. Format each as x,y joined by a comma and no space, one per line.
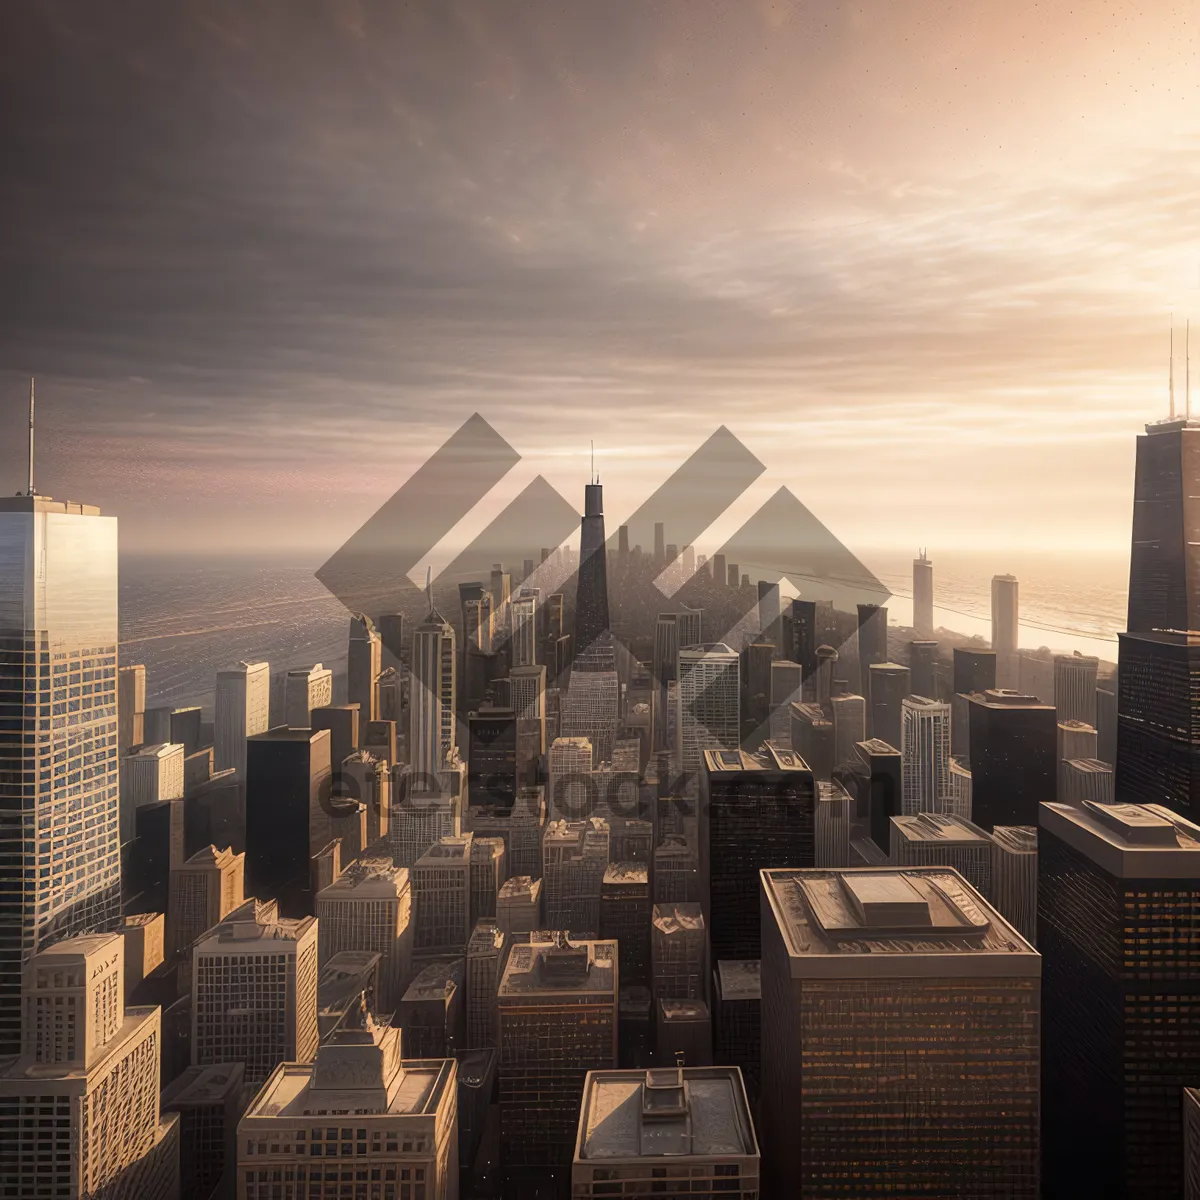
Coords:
60,854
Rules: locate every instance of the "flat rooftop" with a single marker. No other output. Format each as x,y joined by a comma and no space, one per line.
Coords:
939,829
876,746
437,981
678,916
561,968
368,878
770,758
627,872
1129,841
885,921
689,1112
288,1094
1016,839
204,1085
739,979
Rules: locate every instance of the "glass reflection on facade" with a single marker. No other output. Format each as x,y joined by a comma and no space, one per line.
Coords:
60,870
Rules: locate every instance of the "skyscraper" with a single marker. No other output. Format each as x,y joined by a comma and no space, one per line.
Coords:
922,667
940,840
865,969
243,709
1004,629
687,1127
1118,903
131,706
872,643
591,601
492,757
923,596
204,889
666,650
404,1110
431,734
849,713
79,1109
1013,758
524,636
925,753
591,701
890,684
1075,687
709,702
369,907
306,688
288,781
557,1014
689,623
60,867
363,664
254,991
803,647
756,811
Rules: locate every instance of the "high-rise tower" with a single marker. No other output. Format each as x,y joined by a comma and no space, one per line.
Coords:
60,868
431,702
1158,683
591,600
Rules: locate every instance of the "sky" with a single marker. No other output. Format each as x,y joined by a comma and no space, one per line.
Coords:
264,256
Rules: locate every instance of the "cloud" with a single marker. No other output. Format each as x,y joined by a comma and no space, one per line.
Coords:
270,255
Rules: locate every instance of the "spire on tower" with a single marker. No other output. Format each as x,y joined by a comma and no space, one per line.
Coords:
31,492
429,586
1171,368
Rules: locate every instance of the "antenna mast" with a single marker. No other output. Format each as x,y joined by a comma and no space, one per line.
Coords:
1187,369
429,586
31,492
592,443
1171,368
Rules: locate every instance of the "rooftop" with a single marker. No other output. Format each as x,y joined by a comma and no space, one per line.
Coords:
627,872
561,967
666,1113
44,504
204,1085
882,921
455,847
486,937
770,758
437,981
366,879
684,1010
523,887
159,750
1129,841
1007,698
941,828
739,979
1016,839
288,1092
679,916
876,746
1089,766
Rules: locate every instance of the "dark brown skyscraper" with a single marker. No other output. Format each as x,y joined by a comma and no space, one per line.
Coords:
1158,696
591,599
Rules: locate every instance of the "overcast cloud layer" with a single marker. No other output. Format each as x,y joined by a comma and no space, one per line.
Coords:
264,256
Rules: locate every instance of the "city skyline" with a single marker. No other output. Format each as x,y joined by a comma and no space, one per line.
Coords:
689,215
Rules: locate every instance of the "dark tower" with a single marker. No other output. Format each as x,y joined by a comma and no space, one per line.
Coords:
1158,685
591,600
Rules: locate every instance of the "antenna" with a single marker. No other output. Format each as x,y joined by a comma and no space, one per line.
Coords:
31,492
1171,369
429,586
1187,369
593,471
